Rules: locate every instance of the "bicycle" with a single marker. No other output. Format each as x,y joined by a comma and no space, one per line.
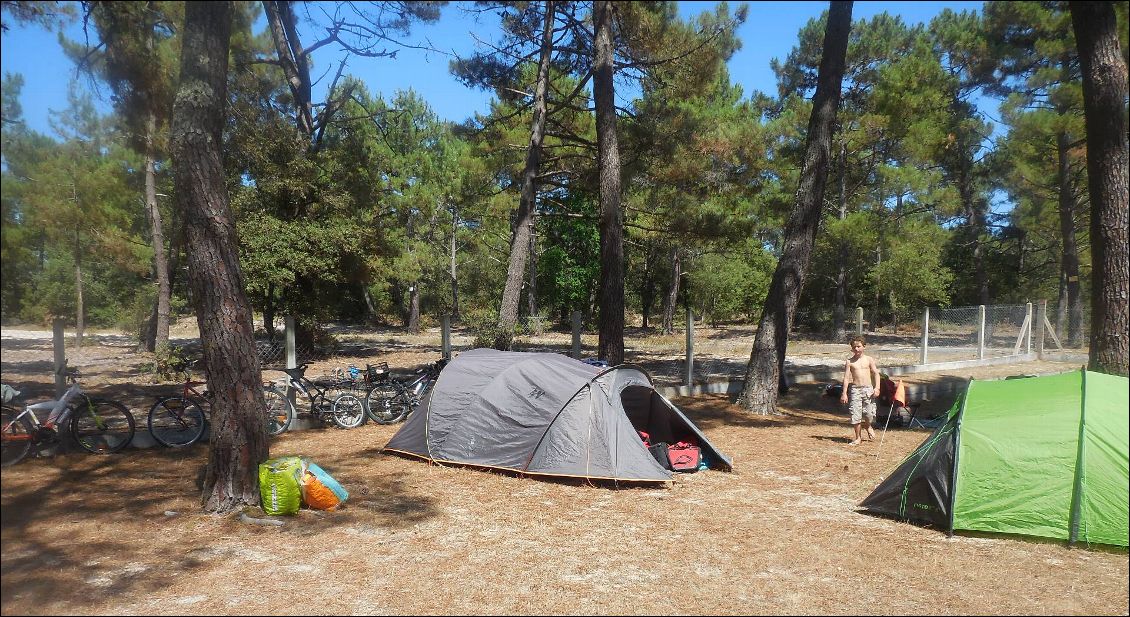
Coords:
179,421
389,400
99,426
346,410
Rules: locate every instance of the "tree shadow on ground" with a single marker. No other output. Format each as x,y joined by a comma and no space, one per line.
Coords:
81,528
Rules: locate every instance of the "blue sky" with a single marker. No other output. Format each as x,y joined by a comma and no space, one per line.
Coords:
769,32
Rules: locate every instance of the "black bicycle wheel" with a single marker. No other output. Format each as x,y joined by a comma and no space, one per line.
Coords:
176,422
387,404
279,412
102,426
348,411
15,437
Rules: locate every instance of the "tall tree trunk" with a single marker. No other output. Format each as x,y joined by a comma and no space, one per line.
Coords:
292,61
647,287
454,274
160,334
1069,259
1104,106
764,374
80,321
414,307
523,220
610,344
839,307
238,441
269,312
1061,306
672,296
532,288
369,305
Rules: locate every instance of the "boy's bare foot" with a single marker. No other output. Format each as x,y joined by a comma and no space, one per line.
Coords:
870,434
854,442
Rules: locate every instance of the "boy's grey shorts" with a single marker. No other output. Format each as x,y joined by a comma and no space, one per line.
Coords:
860,403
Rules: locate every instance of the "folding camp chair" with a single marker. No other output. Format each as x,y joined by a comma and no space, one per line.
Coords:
894,399
894,394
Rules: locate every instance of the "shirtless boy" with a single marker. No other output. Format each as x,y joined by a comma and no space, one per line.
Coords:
861,390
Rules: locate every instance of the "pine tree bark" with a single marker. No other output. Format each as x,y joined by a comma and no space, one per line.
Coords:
454,264
414,308
160,333
670,300
839,306
523,220
610,345
80,310
532,282
1069,258
766,363
1108,157
238,441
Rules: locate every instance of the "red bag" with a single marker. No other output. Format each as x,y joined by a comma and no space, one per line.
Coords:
684,456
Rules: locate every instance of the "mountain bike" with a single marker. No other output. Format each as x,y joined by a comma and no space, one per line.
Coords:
390,400
345,410
179,421
99,426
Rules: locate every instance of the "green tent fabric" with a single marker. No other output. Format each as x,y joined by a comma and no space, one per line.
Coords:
1041,456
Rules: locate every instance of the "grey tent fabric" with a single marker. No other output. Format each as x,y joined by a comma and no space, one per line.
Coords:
547,414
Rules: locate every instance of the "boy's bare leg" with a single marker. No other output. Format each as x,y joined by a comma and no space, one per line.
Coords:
858,434
870,432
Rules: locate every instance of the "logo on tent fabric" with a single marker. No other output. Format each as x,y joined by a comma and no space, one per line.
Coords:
923,506
536,393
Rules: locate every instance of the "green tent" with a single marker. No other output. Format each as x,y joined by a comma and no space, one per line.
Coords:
1038,456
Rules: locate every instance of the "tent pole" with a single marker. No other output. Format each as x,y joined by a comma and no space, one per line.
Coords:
957,454
1077,489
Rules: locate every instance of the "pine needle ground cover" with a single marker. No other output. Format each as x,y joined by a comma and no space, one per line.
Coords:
123,534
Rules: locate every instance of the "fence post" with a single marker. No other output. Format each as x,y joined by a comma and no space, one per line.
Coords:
577,335
1031,324
445,337
925,335
1041,319
60,357
859,321
291,353
690,346
980,331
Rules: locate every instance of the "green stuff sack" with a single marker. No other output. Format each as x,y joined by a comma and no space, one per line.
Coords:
279,486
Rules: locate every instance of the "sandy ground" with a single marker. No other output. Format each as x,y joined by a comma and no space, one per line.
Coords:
123,534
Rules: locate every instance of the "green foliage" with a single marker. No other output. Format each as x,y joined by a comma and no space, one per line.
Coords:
169,362
487,332
731,286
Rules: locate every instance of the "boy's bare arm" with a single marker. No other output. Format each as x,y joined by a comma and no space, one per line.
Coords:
875,376
847,380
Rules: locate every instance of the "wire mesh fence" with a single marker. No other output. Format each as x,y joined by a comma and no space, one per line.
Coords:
977,332
723,352
952,334
273,352
1072,331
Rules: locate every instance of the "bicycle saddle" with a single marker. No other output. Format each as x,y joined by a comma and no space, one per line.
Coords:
296,372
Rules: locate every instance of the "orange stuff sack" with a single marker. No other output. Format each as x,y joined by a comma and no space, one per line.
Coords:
318,495
320,490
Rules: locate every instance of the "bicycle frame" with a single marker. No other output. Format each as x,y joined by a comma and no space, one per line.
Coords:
60,409
317,395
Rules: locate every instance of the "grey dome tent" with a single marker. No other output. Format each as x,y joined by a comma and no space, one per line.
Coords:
547,414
